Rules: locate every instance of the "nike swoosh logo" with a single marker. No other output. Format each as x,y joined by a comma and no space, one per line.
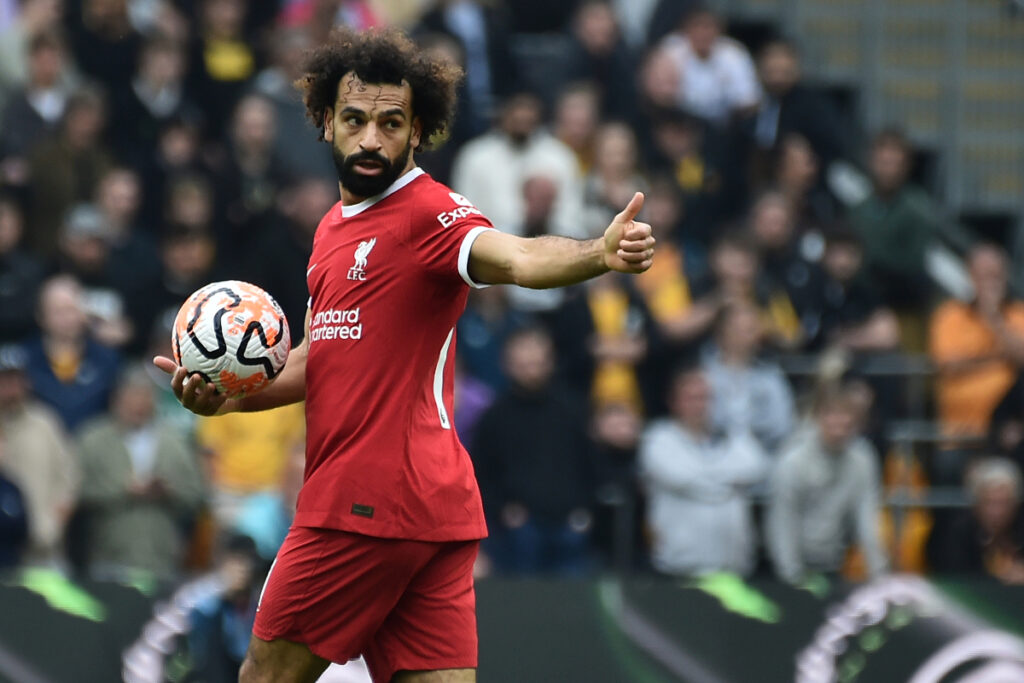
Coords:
311,269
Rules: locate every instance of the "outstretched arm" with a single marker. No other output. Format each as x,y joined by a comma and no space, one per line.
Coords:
202,397
541,262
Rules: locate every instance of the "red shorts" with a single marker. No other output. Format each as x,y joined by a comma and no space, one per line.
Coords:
403,605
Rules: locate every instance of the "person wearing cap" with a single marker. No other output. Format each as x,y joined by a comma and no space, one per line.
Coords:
85,252
36,458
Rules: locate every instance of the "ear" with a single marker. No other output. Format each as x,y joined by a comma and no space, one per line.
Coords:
417,132
329,124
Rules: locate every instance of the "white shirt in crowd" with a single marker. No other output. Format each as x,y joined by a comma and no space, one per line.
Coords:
490,171
713,88
698,501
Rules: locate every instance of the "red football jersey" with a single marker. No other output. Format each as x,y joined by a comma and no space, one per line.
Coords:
388,279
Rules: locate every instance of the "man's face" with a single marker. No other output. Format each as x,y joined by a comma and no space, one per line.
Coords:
996,507
529,361
119,195
987,269
703,30
837,423
520,119
62,311
741,332
842,261
691,399
779,70
889,166
133,405
771,224
372,133
45,64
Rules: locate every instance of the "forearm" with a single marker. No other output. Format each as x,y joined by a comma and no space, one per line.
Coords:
550,261
289,387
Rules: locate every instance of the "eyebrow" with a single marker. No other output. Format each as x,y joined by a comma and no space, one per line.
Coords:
397,111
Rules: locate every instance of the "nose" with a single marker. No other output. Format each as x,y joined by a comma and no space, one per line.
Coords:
371,140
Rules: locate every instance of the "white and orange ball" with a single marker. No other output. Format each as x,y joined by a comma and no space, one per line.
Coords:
232,334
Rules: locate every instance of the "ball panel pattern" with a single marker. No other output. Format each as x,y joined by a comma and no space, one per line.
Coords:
232,334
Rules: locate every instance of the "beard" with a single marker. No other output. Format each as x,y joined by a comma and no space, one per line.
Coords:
368,185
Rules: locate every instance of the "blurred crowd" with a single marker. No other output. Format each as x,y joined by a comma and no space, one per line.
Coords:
651,423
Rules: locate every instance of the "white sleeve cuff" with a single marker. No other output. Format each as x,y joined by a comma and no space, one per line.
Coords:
467,245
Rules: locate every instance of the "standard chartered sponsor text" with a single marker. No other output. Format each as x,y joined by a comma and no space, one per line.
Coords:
336,324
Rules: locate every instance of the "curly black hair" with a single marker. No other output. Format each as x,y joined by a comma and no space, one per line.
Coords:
381,57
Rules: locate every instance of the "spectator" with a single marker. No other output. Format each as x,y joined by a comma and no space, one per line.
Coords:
577,116
300,153
280,257
66,169
694,154
897,223
491,169
221,60
246,453
600,56
482,31
698,481
789,106
24,23
141,485
848,313
735,278
178,153
988,539
156,95
610,319
21,275
619,531
717,78
85,246
796,174
978,346
249,180
33,111
134,265
221,625
785,257
614,175
189,261
825,490
66,367
748,394
534,466
483,331
36,456
104,41
438,160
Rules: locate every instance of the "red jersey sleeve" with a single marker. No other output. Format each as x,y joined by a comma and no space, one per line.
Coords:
442,230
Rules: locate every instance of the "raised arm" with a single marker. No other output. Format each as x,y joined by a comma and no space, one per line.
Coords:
542,262
202,398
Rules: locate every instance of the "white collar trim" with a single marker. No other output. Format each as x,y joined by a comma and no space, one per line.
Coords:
354,209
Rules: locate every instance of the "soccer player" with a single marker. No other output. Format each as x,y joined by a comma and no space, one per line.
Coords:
379,559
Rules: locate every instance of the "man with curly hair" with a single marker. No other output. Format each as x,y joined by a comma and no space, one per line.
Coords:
380,556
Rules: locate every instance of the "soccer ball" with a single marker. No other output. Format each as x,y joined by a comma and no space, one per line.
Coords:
232,334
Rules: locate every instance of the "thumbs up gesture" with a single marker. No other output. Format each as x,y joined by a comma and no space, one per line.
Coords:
628,243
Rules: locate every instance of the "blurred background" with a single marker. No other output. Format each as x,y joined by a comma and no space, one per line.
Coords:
789,451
